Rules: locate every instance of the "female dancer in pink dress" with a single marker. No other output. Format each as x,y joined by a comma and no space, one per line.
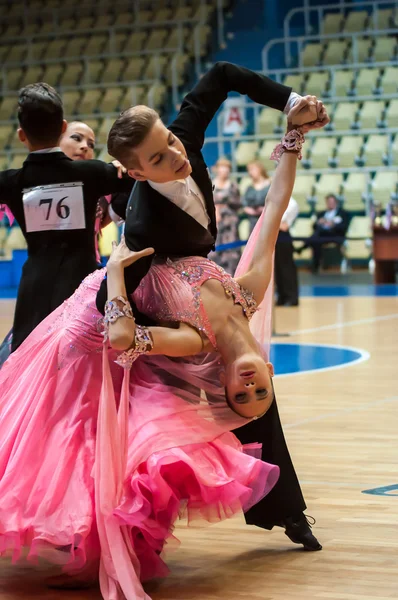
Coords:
97,462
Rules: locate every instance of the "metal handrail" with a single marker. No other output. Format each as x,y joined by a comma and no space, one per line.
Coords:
301,39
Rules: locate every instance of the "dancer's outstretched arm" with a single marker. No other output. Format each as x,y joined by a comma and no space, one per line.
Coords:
182,341
259,273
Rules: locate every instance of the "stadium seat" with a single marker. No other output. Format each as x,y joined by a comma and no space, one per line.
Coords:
30,29
132,96
17,53
354,189
68,25
75,47
335,52
316,84
97,44
133,69
94,71
15,239
89,102
359,227
70,101
265,153
182,63
113,70
156,39
103,131
204,33
17,160
341,83
367,81
103,21
296,82
204,12
384,49
124,18
85,23
361,50
136,41
5,134
371,114
311,55
243,184
163,14
8,108
383,185
322,150
32,74
13,30
13,78
330,183
37,49
93,124
183,13
144,16
72,74
110,102
332,23
349,150
389,80
302,228
103,155
177,38
304,190
4,51
394,150
383,18
245,153
376,149
356,21
118,41
156,66
56,48
268,121
52,74
345,115
157,95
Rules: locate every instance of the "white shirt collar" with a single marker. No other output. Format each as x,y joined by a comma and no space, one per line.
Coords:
47,150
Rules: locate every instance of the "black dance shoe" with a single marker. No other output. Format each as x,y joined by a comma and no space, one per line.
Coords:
298,529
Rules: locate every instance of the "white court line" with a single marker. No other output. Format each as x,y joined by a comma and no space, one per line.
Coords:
346,324
344,411
364,355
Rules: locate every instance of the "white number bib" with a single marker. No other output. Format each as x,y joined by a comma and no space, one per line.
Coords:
57,206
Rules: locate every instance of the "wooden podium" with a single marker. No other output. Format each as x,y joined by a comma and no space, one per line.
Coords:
385,253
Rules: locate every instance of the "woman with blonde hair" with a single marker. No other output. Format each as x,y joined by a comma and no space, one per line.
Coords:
227,202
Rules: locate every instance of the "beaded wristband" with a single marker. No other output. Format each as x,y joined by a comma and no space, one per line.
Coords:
116,308
292,141
143,343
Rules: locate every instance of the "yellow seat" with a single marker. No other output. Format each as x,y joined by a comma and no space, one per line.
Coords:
201,33
72,74
109,234
356,21
316,84
265,153
15,239
367,81
133,69
383,18
163,14
95,68
14,141
111,100
30,29
70,100
37,49
394,150
384,49
342,82
124,18
75,47
18,160
55,48
354,189
335,52
67,25
132,96
376,150
96,45
89,102
384,185
156,66
84,22
32,75
157,95
389,80
52,74
361,50
8,108
113,70
182,61
303,190
93,124
103,131
345,115
245,153
392,114
144,16
268,121
12,30
203,13
176,39
302,228
13,78
322,150
371,114
5,133
17,53
243,184
349,150
183,13
329,183
4,51
103,21
136,41
311,55
118,41
156,39
332,23
296,82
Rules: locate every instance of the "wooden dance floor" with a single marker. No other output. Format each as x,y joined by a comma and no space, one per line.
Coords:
342,429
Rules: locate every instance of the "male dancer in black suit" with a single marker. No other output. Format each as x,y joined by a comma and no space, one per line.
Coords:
53,199
171,209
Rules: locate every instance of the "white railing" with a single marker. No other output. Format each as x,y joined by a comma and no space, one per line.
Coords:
306,10
301,40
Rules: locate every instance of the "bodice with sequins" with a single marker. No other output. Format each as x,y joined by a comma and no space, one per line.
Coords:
171,291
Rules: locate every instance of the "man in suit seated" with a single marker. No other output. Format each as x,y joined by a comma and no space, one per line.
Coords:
330,227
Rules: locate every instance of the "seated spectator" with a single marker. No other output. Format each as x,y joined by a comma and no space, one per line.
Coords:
330,227
227,201
253,199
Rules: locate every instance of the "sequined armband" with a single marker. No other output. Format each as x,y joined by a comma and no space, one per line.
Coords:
291,142
143,343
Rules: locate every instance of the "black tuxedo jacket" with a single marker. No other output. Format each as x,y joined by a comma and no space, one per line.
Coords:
58,260
339,229
154,221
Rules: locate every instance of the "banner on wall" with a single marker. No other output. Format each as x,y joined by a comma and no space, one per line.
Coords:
234,116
